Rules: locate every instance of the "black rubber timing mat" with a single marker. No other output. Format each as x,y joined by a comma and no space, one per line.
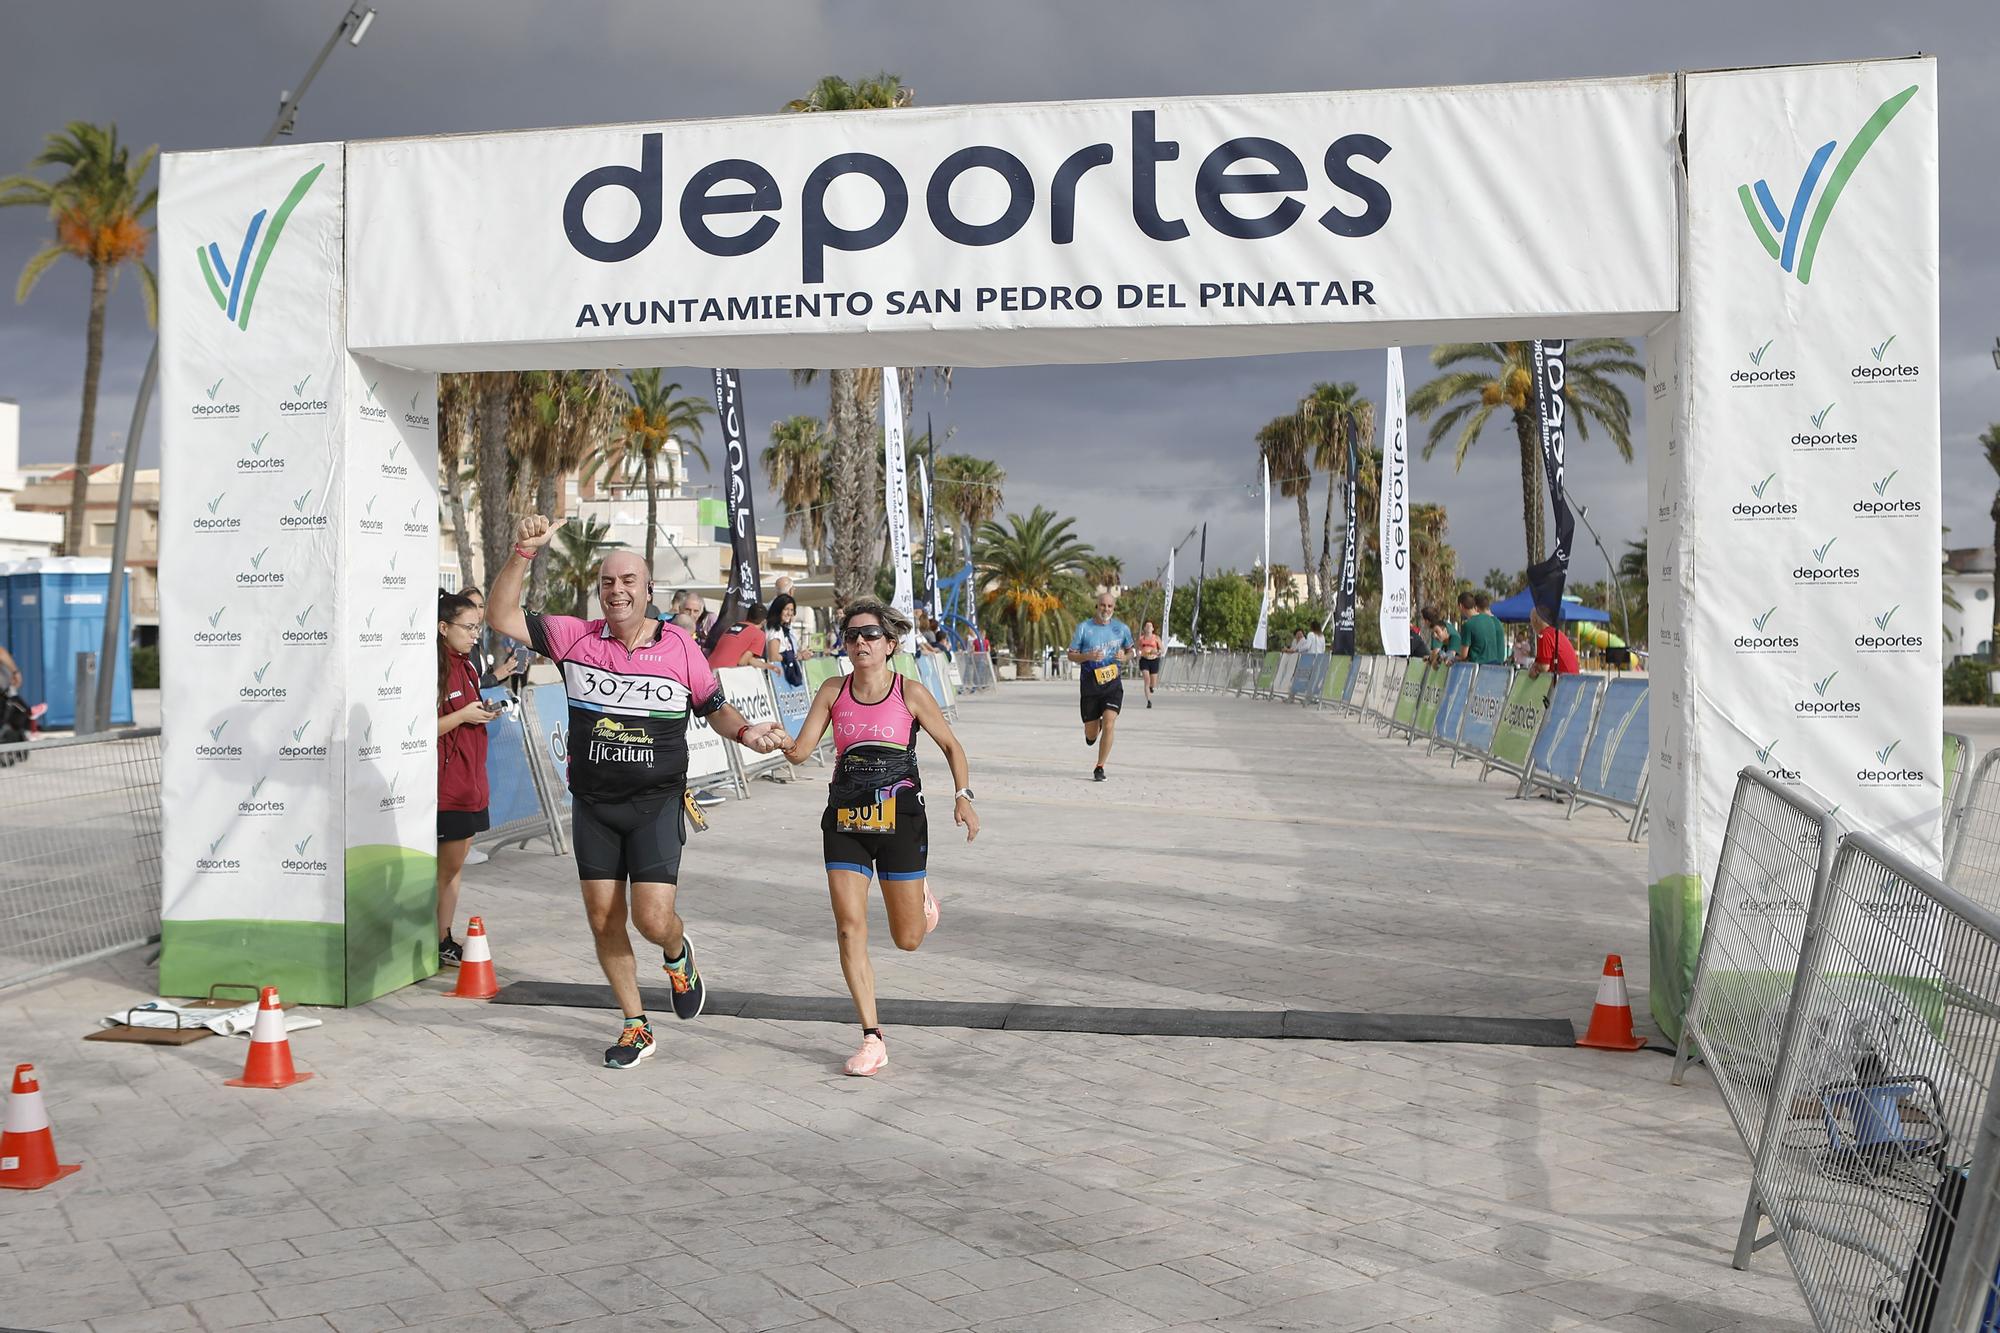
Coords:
1307,1024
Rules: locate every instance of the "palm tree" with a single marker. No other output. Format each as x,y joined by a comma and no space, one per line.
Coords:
1433,564
795,466
1281,443
458,402
1336,418
575,554
1103,572
1029,567
561,418
851,399
971,487
651,418
99,209
1507,379
1989,440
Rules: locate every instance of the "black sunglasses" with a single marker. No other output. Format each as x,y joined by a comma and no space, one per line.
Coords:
870,633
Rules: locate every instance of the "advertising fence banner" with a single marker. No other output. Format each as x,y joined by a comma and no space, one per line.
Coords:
748,690
1521,718
1429,698
1613,771
1483,708
514,805
1451,702
1558,752
1408,693
793,701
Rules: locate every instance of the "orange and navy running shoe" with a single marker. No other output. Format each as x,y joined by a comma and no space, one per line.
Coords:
634,1044
689,993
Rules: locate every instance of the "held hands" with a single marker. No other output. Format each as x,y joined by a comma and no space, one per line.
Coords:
966,818
765,738
534,532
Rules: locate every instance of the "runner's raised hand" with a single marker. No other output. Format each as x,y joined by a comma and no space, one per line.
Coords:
534,532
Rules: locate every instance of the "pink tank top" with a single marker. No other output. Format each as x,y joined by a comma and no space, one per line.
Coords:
888,722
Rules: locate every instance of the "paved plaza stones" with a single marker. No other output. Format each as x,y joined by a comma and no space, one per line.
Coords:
469,1167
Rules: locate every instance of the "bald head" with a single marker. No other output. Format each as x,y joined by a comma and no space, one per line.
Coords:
624,586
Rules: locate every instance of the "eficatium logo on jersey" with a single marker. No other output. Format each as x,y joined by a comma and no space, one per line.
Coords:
257,805
301,518
1822,435
235,287
1822,569
368,751
212,519
260,459
217,748
213,635
300,747
1357,205
1825,699
615,742
1883,502
1884,636
262,573
1762,370
1763,504
304,401
1775,768
301,860
1880,769
261,688
1791,238
1882,366
1765,635
417,524
302,633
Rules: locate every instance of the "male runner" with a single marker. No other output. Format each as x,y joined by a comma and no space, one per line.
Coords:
1100,644
632,683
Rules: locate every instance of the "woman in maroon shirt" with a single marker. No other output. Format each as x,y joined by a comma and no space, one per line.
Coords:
461,751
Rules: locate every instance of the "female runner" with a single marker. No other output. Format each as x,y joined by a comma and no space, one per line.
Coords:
875,822
1149,661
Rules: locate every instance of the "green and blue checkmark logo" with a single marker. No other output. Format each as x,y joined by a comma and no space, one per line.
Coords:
1881,349
1819,417
1882,621
1758,489
1819,552
1787,236
1763,620
235,289
1820,686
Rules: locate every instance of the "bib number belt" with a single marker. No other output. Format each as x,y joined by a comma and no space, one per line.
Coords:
877,818
1106,674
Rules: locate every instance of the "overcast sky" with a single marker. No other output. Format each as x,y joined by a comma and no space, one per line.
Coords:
1138,453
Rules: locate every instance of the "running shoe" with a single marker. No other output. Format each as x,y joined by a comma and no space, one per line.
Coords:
931,910
450,952
1149,703
1097,774
634,1044
872,1058
689,993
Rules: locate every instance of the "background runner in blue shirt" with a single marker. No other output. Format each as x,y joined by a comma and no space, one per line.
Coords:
1098,647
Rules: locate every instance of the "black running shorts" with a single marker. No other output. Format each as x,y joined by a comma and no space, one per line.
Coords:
900,855
1101,699
1150,665
639,840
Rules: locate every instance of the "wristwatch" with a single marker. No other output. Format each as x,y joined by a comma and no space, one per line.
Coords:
962,794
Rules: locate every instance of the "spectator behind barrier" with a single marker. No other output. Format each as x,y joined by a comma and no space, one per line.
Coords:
461,757
1554,653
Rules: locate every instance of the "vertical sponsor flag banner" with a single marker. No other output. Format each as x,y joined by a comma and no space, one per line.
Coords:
930,541
1200,578
1343,618
1809,410
1167,607
744,579
1547,575
1393,513
1264,607
896,494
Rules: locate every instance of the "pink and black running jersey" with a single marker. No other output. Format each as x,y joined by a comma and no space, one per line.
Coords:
888,721
628,709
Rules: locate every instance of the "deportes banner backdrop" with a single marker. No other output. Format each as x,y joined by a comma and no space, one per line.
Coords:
299,524
1794,534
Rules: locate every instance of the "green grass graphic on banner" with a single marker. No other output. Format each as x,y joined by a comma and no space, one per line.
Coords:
391,919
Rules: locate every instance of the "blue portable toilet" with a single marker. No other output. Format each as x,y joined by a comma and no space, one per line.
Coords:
55,611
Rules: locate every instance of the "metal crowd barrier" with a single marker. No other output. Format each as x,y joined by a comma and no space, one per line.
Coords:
79,850
1613,772
1557,756
1452,699
1972,858
1402,715
975,672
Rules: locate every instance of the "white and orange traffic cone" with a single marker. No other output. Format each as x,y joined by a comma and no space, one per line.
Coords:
1611,1019
270,1061
27,1148
475,970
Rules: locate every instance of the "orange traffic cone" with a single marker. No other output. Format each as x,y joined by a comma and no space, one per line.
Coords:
475,970
270,1061
1611,1020
27,1149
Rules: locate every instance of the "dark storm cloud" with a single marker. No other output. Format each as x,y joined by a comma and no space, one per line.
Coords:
1138,453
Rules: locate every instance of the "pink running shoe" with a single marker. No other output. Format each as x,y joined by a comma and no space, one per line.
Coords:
931,911
872,1058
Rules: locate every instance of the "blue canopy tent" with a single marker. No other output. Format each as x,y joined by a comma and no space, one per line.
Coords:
1514,610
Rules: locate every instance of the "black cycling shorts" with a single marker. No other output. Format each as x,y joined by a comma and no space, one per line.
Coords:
1098,700
1150,665
639,840
901,855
